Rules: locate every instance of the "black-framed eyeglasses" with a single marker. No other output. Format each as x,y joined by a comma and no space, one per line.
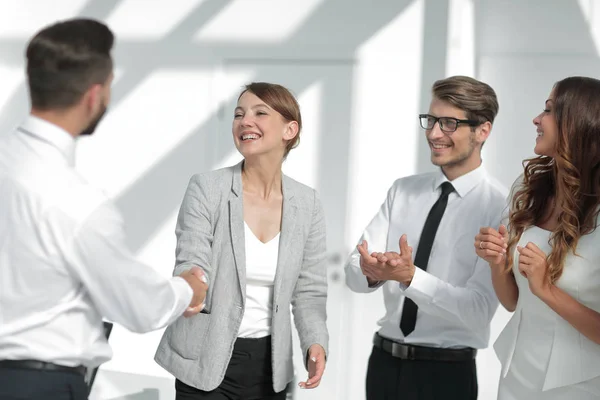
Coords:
447,124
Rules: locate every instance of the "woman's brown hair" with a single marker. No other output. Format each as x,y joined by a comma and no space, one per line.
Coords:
573,175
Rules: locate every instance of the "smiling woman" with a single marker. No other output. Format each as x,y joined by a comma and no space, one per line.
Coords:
550,276
265,107
260,237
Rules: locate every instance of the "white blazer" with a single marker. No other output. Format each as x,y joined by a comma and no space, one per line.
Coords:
573,358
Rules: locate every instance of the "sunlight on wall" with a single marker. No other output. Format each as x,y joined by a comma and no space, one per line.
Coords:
384,148
303,162
232,158
21,18
591,12
148,19
12,77
385,109
271,21
149,122
460,59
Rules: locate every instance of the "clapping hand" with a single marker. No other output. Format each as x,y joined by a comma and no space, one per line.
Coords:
389,265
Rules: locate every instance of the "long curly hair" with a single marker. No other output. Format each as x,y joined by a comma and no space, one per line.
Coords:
573,175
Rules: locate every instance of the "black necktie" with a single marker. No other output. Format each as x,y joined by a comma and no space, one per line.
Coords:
409,311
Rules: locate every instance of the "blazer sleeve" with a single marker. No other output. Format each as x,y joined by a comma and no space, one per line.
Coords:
194,229
309,300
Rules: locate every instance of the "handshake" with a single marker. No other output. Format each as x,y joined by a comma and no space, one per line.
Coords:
196,278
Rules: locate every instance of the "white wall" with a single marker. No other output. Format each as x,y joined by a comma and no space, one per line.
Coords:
362,70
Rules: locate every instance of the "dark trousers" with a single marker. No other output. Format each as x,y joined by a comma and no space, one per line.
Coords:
34,384
249,375
392,378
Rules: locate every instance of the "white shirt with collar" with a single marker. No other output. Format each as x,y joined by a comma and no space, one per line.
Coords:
63,260
455,295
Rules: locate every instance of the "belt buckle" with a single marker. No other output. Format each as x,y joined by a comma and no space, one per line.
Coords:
401,351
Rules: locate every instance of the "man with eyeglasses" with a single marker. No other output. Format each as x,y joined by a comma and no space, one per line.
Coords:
438,297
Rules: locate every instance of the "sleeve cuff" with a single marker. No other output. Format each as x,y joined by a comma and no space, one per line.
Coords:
355,279
375,285
422,287
183,293
182,268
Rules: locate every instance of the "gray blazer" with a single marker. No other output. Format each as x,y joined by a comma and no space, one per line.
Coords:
210,233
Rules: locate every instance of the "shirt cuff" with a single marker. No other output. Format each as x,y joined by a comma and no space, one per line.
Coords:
375,285
422,287
183,293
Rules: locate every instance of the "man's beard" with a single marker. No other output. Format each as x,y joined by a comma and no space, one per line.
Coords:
92,126
462,157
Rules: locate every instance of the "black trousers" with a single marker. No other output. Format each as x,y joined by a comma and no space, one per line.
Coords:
34,384
249,375
392,378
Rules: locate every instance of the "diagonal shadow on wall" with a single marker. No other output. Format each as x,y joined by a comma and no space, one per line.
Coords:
435,38
163,185
161,188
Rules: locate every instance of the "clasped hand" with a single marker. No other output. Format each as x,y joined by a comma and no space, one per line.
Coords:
389,265
197,280
534,266
491,244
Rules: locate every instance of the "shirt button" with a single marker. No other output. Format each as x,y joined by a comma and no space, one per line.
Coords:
276,308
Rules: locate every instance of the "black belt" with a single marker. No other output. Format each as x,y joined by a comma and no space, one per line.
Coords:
41,365
412,352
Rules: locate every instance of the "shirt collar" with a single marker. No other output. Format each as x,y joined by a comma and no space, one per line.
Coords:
51,134
463,184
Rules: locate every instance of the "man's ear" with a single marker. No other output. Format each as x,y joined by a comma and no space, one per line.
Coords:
483,131
93,98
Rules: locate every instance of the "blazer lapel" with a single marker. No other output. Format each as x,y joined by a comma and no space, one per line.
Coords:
236,221
286,237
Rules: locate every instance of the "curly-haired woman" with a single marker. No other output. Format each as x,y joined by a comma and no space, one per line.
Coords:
546,264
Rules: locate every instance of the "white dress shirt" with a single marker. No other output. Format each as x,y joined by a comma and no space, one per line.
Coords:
455,295
63,260
261,266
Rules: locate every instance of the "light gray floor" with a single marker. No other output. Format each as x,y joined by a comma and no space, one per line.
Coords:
111,385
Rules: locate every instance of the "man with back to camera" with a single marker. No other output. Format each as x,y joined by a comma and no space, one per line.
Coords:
63,260
439,299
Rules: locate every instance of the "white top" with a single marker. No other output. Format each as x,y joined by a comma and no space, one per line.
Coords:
261,265
63,260
532,350
455,295
542,355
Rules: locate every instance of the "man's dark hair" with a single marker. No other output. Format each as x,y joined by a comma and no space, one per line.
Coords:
65,59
